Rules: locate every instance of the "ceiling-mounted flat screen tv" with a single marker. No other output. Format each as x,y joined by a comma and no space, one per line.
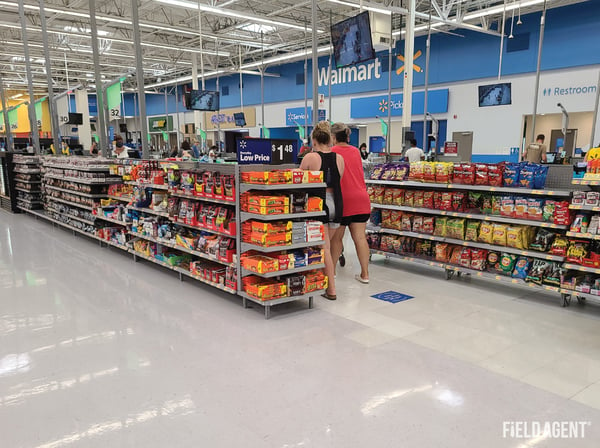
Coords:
495,95
352,42
204,100
240,119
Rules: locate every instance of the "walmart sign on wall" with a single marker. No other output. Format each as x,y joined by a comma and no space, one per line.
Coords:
378,106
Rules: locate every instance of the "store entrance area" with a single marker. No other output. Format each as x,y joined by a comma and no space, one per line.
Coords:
131,359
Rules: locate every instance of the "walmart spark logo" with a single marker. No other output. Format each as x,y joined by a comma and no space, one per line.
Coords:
383,106
416,68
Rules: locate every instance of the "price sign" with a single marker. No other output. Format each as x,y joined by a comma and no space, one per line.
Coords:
451,149
114,113
264,151
254,151
283,151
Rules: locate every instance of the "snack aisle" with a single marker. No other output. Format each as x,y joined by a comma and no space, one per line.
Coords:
491,221
190,218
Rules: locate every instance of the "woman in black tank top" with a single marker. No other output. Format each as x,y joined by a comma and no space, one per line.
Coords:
332,166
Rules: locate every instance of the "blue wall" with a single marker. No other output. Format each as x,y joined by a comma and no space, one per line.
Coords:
571,39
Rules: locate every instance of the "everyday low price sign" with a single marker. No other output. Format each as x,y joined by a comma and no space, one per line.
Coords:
257,151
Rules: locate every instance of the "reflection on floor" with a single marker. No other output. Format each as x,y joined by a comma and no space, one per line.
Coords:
98,351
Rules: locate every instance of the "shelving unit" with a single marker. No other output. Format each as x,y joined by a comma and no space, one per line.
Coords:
453,270
246,247
486,188
27,170
477,216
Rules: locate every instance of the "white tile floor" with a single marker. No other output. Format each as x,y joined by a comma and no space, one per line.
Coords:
97,351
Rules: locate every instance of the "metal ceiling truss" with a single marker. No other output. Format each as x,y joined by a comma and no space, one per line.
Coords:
171,38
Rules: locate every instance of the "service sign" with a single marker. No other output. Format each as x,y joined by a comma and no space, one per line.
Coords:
263,151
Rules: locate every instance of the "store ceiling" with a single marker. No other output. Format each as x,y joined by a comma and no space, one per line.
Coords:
171,37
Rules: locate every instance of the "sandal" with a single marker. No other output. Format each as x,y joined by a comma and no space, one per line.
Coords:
329,296
362,280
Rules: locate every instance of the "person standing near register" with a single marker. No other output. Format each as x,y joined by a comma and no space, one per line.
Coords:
536,152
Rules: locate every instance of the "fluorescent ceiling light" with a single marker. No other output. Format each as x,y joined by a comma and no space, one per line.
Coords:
231,13
18,95
77,30
256,28
368,8
499,9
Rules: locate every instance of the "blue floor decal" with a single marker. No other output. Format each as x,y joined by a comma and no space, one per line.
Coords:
392,296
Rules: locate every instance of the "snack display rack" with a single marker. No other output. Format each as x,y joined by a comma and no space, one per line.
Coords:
27,182
7,193
262,262
407,239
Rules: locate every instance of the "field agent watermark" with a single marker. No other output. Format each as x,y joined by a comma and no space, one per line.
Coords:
547,430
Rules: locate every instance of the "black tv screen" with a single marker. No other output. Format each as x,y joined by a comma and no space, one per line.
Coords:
240,119
204,100
352,41
75,118
495,95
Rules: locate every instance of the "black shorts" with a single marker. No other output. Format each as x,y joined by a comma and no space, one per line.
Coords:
347,220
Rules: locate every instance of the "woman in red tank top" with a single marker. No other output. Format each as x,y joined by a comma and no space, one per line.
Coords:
357,205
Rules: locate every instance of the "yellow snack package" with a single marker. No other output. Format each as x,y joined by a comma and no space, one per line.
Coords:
499,234
515,237
486,231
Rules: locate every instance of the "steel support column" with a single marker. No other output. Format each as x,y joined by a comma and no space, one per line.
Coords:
315,65
51,102
7,131
536,90
101,129
409,50
35,136
139,72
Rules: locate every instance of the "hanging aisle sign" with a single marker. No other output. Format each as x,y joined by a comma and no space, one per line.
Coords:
62,109
113,101
263,151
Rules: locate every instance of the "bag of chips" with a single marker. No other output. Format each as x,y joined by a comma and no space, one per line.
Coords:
486,204
397,196
376,172
416,171
499,234
539,178
521,268
443,172
441,225
507,263
455,257
409,198
514,237
457,173
507,207
486,232
521,208
542,241
475,201
465,257
511,175
553,274
526,176
535,209
428,224
417,226
481,174
396,220
562,215
406,224
495,175
441,252
388,196
468,173
496,205
428,172
537,271
478,259
472,231
577,251
458,201
428,199
493,261
560,246
418,199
